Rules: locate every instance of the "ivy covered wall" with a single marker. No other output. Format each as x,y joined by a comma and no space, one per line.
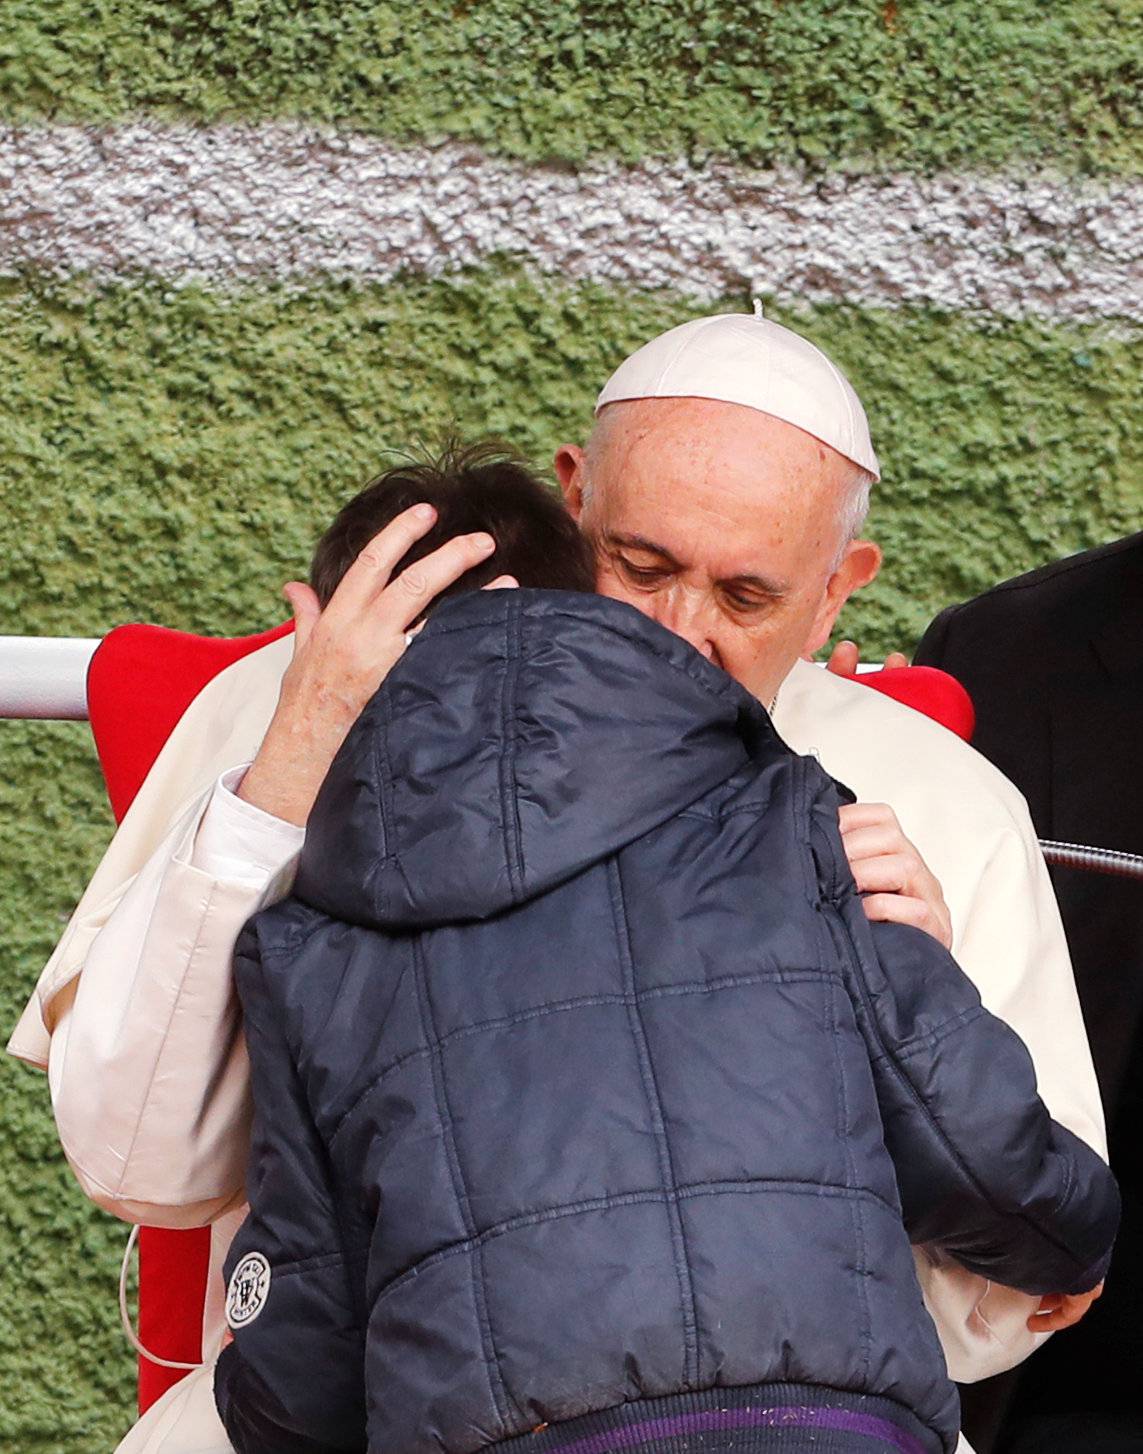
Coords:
171,454
893,83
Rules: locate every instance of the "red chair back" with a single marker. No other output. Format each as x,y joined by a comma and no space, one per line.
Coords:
139,683
928,690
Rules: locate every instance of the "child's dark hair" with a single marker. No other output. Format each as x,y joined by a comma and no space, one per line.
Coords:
484,486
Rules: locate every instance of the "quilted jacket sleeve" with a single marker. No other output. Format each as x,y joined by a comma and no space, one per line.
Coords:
292,1381
981,1167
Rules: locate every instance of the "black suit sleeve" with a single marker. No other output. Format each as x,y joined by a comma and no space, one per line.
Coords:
934,647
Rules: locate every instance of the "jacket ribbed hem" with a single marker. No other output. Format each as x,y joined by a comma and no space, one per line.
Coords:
764,1418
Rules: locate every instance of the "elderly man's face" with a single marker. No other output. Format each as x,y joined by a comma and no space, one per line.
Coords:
723,524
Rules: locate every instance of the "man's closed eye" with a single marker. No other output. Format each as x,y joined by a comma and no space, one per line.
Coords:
741,602
643,575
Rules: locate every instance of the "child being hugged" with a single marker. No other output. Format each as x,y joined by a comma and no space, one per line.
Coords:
591,1112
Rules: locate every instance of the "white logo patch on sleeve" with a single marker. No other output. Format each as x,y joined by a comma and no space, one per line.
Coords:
248,1289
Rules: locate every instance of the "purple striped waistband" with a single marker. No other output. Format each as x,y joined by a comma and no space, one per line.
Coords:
793,1416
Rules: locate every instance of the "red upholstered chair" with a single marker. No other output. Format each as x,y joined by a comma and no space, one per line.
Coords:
926,689
141,680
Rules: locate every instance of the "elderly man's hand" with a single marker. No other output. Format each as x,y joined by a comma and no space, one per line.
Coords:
888,870
1062,1310
893,877
343,653
845,658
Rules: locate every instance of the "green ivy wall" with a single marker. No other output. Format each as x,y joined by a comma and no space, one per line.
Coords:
169,453
890,82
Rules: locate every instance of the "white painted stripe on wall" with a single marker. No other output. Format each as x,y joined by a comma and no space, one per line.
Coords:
241,203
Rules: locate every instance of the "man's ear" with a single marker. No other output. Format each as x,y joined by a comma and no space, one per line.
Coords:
858,566
569,472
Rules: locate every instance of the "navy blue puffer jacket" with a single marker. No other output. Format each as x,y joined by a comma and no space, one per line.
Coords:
587,1097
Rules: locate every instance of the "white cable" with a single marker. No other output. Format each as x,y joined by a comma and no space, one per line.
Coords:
125,1315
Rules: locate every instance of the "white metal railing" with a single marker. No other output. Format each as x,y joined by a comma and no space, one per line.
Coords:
45,676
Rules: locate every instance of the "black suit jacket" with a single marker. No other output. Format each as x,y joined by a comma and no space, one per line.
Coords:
1054,663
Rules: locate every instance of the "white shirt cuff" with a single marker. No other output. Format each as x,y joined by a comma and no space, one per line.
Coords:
240,843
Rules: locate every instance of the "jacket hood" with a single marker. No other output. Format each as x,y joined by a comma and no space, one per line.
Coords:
523,736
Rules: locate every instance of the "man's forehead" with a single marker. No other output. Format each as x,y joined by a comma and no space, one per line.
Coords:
641,424
688,440
739,512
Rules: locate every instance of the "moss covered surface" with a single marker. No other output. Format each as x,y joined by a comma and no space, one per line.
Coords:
66,1375
171,455
909,83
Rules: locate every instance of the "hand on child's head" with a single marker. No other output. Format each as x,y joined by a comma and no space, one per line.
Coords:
1062,1310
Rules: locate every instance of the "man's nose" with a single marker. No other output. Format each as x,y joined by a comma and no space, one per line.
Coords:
688,614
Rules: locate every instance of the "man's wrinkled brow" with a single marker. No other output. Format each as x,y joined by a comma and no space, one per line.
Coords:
765,585
640,542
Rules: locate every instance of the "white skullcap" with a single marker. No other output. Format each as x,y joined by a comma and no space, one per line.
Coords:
744,359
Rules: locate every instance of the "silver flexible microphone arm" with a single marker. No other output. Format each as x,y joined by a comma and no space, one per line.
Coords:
1094,860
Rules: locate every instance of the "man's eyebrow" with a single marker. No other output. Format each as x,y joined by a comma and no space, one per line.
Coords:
765,584
640,542
768,587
